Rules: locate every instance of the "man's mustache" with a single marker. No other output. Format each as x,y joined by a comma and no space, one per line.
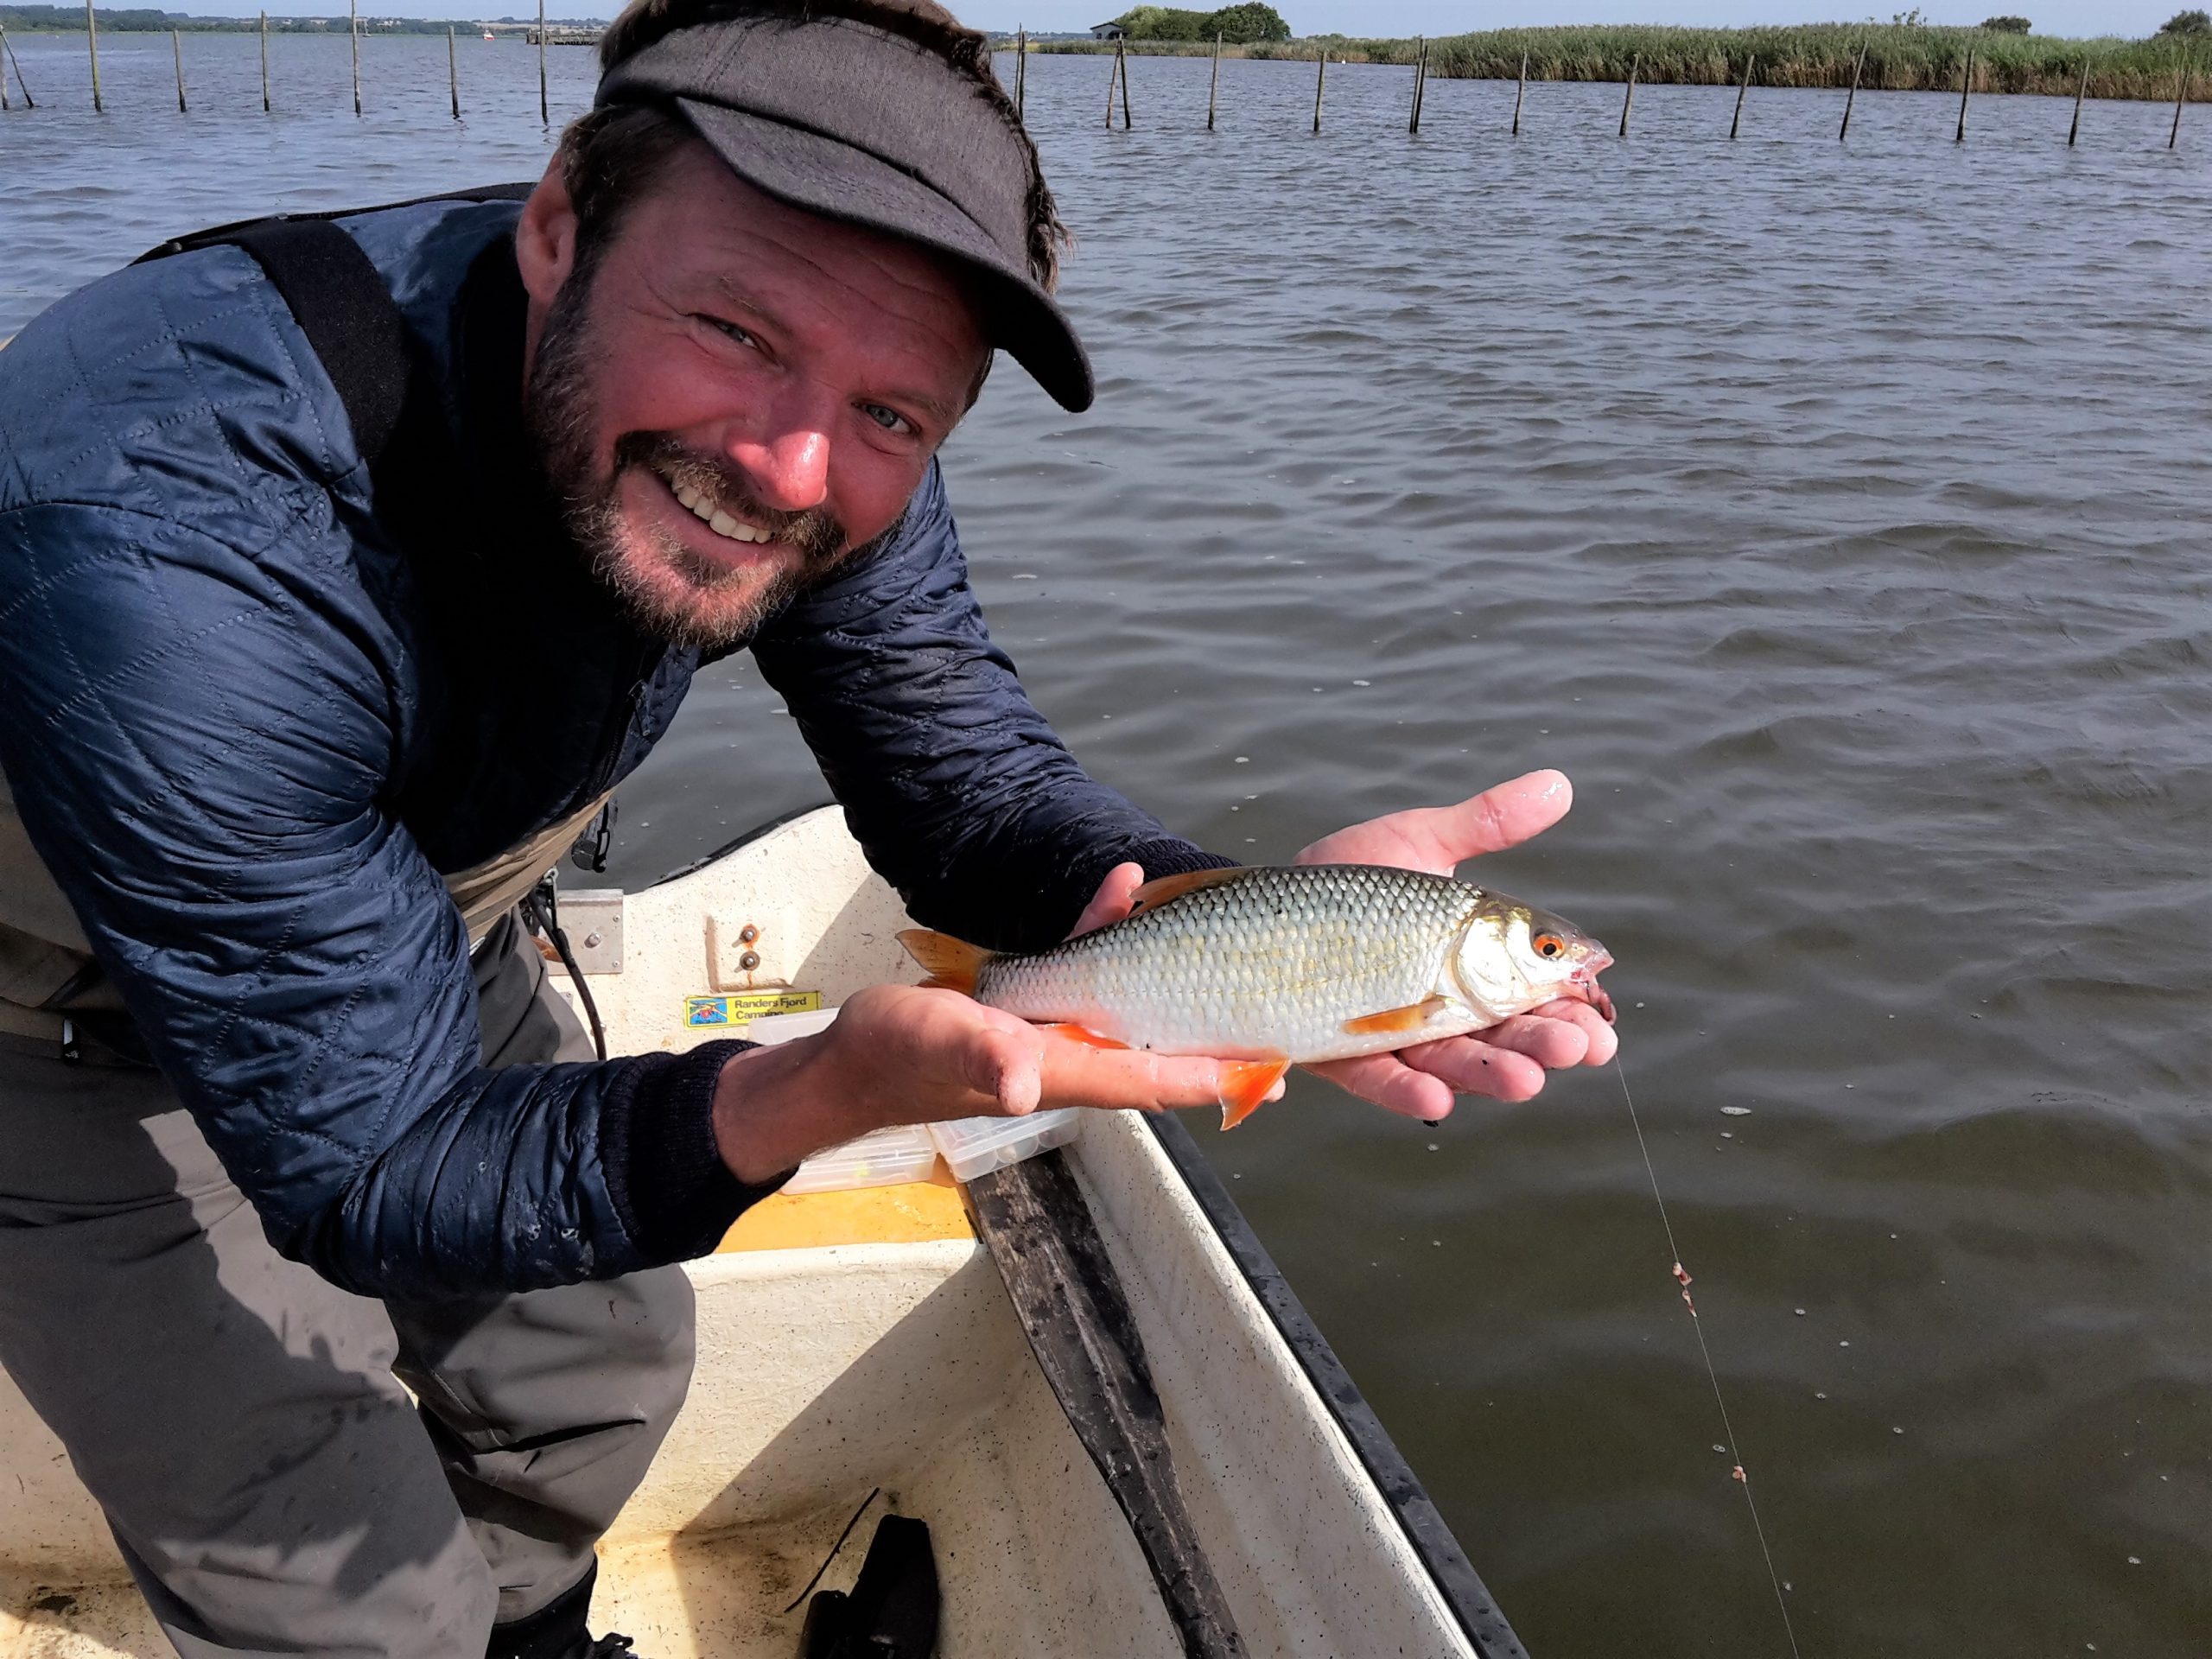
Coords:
815,532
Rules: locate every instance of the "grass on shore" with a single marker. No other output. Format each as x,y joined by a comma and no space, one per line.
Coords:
1905,58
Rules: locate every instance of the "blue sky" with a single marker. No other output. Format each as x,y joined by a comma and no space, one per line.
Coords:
2132,17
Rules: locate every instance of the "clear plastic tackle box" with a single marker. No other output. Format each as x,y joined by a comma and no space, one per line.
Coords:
970,1145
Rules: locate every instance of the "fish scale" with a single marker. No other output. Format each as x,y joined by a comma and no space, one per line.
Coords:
1272,963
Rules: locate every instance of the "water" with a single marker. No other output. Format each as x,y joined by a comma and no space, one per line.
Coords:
1834,516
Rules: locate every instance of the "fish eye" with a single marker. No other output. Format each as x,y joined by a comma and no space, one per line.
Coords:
1549,946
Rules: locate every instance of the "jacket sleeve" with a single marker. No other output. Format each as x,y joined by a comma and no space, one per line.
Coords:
199,738
962,797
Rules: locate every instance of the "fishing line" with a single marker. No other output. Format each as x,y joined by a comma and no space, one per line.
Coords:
1727,1429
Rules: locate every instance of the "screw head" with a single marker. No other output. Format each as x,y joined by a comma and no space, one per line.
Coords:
592,940
749,961
747,934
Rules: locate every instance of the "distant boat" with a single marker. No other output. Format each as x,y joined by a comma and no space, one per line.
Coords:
489,35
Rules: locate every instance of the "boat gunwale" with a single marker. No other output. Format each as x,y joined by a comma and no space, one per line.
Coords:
1456,1581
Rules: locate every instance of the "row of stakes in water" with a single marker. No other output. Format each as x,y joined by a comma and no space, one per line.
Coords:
1118,77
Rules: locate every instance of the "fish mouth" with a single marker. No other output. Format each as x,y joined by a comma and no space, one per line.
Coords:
1585,985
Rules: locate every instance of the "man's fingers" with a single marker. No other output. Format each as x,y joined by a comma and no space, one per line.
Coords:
1501,816
1603,1042
1076,1074
1552,1043
1390,1084
1111,902
1440,838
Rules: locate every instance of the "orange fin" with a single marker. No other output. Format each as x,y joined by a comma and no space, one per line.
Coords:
1083,1034
950,964
1244,1085
1153,895
1412,1017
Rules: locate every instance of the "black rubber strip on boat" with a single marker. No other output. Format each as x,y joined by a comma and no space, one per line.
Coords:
1040,1230
1456,1579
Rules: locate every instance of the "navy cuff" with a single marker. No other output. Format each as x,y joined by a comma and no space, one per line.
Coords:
674,1195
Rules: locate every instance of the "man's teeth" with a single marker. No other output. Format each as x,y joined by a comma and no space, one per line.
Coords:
720,523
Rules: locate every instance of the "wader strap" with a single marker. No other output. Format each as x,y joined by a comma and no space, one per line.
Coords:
336,294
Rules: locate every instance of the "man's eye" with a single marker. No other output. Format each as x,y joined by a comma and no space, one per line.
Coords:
889,419
743,337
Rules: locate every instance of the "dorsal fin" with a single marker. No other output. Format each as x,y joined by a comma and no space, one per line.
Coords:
1154,893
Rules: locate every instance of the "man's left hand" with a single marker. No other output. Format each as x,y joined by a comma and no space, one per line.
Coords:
1508,1061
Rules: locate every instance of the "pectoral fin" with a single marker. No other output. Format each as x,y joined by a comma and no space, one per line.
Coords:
1412,1017
1153,895
1244,1086
950,964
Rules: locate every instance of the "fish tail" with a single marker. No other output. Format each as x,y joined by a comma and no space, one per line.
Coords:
950,964
1244,1086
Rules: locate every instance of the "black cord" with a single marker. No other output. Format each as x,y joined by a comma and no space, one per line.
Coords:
541,912
834,1547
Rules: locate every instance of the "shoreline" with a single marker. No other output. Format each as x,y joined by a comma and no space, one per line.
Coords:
1899,57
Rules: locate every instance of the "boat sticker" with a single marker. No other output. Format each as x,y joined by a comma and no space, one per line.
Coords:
742,1007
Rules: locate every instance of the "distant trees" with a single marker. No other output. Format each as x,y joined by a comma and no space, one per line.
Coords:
1240,25
2006,25
2187,22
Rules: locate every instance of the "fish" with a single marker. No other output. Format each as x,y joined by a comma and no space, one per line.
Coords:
1272,966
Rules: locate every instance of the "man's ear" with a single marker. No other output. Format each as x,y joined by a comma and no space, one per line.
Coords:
545,240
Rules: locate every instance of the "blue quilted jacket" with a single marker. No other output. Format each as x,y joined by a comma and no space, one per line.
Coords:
254,705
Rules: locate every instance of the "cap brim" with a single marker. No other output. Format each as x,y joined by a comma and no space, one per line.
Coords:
827,176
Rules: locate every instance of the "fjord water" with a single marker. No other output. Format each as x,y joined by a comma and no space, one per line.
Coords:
1836,516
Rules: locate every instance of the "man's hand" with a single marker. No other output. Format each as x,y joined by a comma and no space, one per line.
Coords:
900,1054
1508,1061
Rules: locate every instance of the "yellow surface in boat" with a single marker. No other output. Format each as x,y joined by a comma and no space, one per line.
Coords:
911,1213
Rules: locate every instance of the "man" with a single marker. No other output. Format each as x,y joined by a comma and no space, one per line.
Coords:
297,710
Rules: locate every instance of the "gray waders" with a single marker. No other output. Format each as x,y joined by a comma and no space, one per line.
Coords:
288,1468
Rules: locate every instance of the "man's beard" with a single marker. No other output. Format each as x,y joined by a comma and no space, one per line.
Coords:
669,591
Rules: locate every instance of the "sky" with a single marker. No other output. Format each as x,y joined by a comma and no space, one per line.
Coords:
1385,17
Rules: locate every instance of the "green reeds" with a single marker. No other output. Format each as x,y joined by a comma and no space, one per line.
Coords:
1899,57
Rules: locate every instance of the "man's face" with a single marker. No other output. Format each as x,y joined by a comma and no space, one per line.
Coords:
739,394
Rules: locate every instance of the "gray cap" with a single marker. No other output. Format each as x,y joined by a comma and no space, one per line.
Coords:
850,121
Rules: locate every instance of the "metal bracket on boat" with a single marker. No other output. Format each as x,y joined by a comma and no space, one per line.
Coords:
592,917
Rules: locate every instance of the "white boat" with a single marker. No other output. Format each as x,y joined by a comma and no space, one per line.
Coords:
865,1341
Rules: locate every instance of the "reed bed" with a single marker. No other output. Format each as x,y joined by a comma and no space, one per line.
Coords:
1902,58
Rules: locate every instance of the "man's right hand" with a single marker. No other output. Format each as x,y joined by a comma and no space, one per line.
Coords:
900,1054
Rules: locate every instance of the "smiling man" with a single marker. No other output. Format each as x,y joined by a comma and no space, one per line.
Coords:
346,566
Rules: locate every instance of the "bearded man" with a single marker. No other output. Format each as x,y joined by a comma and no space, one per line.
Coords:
349,565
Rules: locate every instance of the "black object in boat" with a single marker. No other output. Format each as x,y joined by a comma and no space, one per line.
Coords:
892,1611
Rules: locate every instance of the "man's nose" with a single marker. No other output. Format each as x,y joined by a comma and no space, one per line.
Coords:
788,463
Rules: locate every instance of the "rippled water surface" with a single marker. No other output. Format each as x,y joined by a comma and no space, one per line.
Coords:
1836,516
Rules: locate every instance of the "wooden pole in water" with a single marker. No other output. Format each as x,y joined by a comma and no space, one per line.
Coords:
1320,80
176,48
1122,51
1633,64
2180,95
1213,92
1737,124
2080,92
25,86
545,109
265,63
1966,89
93,42
4,104
453,72
1113,74
1852,97
1520,92
1420,69
1021,73
353,29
